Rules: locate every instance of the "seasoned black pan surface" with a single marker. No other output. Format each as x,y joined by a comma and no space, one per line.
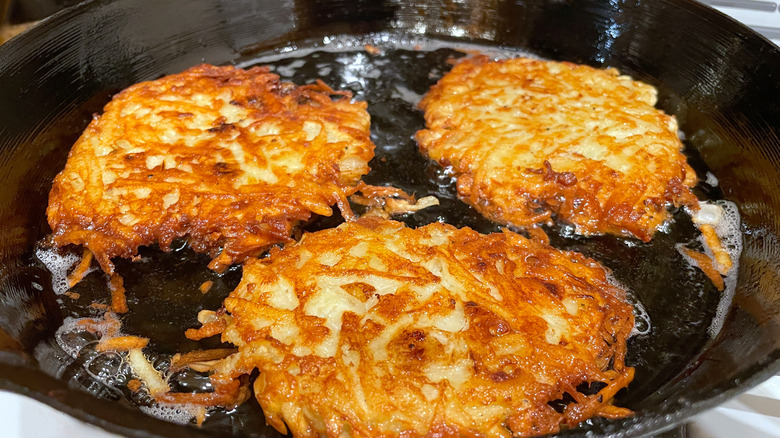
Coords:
719,81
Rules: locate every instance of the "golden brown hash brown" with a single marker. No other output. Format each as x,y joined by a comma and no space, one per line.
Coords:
528,139
231,158
373,329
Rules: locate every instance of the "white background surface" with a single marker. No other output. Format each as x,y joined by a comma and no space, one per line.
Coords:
755,414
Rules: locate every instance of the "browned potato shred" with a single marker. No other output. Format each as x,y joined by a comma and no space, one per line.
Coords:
713,242
81,269
179,361
205,287
707,266
121,343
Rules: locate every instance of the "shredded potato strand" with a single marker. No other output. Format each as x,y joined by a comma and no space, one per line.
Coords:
81,270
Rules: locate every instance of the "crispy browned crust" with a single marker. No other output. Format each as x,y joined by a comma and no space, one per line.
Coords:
373,329
529,139
230,158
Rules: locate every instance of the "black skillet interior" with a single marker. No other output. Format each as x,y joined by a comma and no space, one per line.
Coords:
717,77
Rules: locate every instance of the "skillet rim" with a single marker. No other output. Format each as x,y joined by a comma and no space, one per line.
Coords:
52,395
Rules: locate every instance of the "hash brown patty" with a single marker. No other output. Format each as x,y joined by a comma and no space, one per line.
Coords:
232,159
528,139
373,329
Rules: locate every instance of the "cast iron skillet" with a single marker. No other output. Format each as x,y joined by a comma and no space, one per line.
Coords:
720,79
